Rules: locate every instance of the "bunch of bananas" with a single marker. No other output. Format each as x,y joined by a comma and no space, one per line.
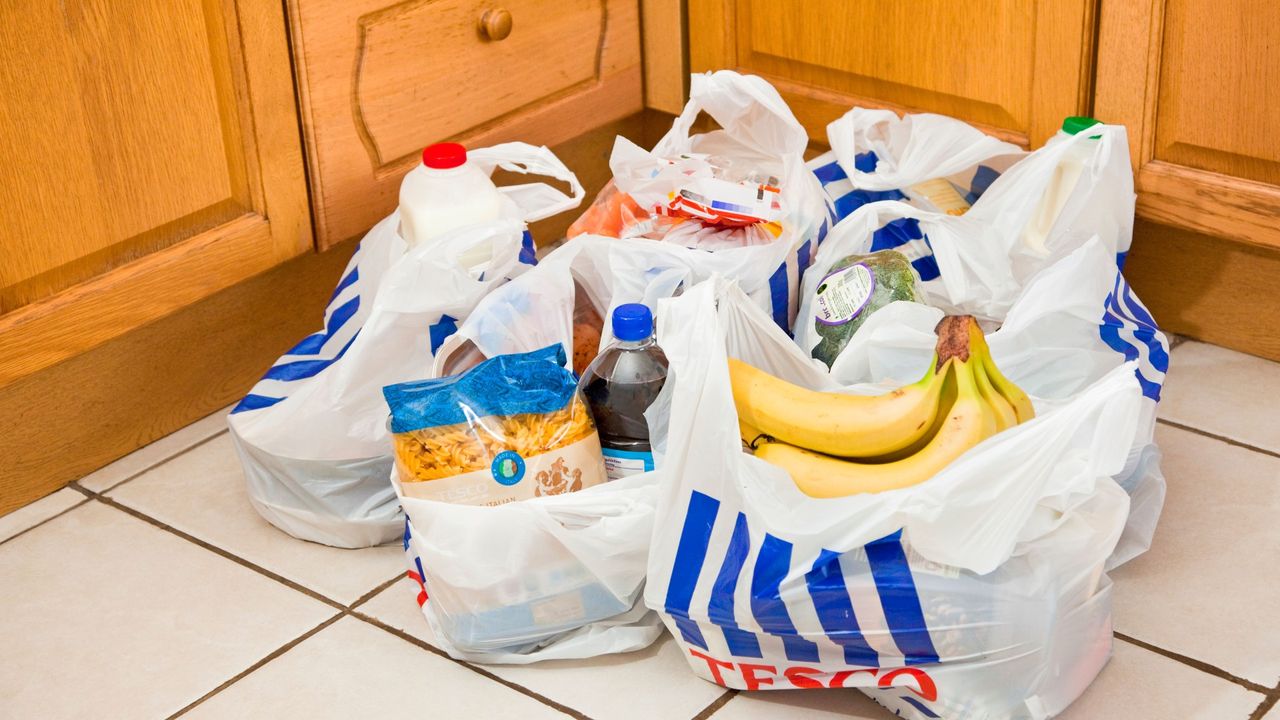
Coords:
835,445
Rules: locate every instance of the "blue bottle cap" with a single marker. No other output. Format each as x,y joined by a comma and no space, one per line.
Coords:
632,321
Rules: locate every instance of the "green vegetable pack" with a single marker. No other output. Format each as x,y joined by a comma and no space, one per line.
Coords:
854,289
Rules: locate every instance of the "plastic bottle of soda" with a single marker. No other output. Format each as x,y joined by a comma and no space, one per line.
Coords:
620,384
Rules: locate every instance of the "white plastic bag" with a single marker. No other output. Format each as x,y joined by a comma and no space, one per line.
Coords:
978,593
877,155
311,434
1069,325
529,557
550,578
758,131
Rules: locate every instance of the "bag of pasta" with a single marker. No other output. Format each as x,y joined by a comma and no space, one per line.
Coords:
511,428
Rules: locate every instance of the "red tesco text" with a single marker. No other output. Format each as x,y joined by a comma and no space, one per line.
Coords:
754,676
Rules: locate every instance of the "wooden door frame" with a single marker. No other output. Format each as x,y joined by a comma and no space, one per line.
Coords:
1127,88
278,227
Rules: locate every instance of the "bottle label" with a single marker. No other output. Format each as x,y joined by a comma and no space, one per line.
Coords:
621,463
843,294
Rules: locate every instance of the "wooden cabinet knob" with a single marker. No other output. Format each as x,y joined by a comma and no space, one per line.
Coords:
495,25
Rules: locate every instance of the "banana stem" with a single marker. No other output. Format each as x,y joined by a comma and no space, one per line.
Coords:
953,339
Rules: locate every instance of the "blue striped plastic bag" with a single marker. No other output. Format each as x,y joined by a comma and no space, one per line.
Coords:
932,162
981,593
877,157
758,130
311,433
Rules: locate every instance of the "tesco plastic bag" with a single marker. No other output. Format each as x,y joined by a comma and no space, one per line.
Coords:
550,578
312,434
764,234
981,592
1033,208
932,162
595,573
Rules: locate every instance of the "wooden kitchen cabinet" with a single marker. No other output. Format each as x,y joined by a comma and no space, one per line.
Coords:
380,79
1014,68
151,159
1193,82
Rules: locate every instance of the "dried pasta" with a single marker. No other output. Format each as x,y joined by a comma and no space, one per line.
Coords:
438,452
513,427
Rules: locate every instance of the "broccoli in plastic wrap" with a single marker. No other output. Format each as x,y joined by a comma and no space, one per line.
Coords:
855,288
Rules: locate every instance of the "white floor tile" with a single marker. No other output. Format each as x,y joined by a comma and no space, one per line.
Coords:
157,452
37,512
1141,685
354,670
845,704
607,688
1209,588
104,615
1224,392
202,492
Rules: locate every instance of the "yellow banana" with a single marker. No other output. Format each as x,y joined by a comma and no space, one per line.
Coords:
1005,415
1022,407
749,434
849,425
969,420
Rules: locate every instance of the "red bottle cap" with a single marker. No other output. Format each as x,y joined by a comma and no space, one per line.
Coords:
443,156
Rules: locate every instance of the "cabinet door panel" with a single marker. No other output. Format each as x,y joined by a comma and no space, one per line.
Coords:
151,158
1014,67
1232,65
1192,80
380,79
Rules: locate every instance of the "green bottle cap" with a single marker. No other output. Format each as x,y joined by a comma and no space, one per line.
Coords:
1076,123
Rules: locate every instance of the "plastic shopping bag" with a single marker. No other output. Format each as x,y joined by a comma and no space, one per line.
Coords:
589,580
1035,208
1059,333
550,578
981,592
715,194
311,434
932,162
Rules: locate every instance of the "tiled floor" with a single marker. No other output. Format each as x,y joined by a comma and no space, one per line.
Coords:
150,588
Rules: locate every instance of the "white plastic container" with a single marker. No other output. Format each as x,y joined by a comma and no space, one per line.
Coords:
444,193
1061,185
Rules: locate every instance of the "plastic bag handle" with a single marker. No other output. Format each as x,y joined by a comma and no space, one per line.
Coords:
536,200
734,101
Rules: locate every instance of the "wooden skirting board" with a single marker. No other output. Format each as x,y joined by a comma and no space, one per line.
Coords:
1207,288
81,414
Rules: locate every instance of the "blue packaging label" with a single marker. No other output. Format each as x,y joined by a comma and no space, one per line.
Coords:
621,463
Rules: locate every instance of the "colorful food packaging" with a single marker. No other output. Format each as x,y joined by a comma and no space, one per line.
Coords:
513,427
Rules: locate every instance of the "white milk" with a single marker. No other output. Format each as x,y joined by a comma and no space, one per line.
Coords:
444,193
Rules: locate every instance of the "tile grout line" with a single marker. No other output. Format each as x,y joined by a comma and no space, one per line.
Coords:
55,516
344,611
112,502
374,592
348,610
91,494
1200,665
1220,438
1266,705
716,704
474,668
158,463
263,661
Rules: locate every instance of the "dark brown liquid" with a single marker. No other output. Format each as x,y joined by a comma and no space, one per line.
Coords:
618,403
